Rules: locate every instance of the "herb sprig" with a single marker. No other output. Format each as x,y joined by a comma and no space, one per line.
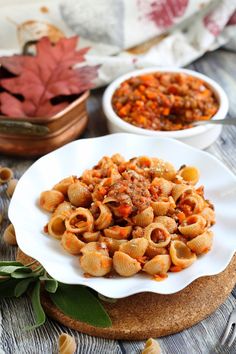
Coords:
76,301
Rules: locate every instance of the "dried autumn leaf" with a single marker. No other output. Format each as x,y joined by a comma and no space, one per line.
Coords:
45,76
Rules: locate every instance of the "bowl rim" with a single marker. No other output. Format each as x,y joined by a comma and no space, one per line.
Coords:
115,119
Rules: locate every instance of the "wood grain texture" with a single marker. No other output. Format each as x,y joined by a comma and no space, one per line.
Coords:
203,338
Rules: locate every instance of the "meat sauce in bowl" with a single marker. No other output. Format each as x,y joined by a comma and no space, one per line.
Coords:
164,101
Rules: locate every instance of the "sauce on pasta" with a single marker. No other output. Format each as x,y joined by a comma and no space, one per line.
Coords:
139,215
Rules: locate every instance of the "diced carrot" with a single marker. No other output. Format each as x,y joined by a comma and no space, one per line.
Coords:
175,269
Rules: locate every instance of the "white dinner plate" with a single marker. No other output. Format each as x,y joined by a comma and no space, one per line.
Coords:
72,159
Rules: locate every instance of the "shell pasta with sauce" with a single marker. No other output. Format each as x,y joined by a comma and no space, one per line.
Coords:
124,217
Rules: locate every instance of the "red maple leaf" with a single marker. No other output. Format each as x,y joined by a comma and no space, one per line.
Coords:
42,77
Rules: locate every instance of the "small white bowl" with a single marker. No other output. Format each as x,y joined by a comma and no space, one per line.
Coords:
200,137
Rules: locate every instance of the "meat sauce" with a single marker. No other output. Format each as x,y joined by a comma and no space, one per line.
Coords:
164,101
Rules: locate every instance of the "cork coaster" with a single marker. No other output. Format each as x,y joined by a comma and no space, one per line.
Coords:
148,315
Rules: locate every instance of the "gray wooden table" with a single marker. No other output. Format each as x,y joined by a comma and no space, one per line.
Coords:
202,338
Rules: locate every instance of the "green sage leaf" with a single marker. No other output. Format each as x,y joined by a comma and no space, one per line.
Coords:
23,275
10,269
79,303
51,285
7,288
10,263
37,307
22,286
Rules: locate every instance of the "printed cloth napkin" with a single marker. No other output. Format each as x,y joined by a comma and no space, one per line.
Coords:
123,34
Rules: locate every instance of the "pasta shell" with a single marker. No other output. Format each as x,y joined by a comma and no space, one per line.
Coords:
95,263
56,226
71,243
125,265
178,190
181,255
11,185
49,200
5,174
79,194
157,235
66,344
202,243
64,208
151,347
79,221
91,236
144,218
190,174
112,244
163,169
158,265
117,159
164,187
209,216
135,248
192,226
64,184
9,235
168,222
105,216
153,251
100,247
162,206
191,204
118,232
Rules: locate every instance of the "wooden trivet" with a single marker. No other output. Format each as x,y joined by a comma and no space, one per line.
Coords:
148,315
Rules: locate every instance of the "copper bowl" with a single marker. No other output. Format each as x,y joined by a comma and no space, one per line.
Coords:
37,136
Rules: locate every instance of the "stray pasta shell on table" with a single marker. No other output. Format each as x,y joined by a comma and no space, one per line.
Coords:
168,222
79,194
79,221
125,265
193,226
49,200
144,218
190,174
118,232
11,185
201,243
135,248
5,174
158,265
151,347
64,184
96,263
157,235
9,235
71,243
66,344
181,255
